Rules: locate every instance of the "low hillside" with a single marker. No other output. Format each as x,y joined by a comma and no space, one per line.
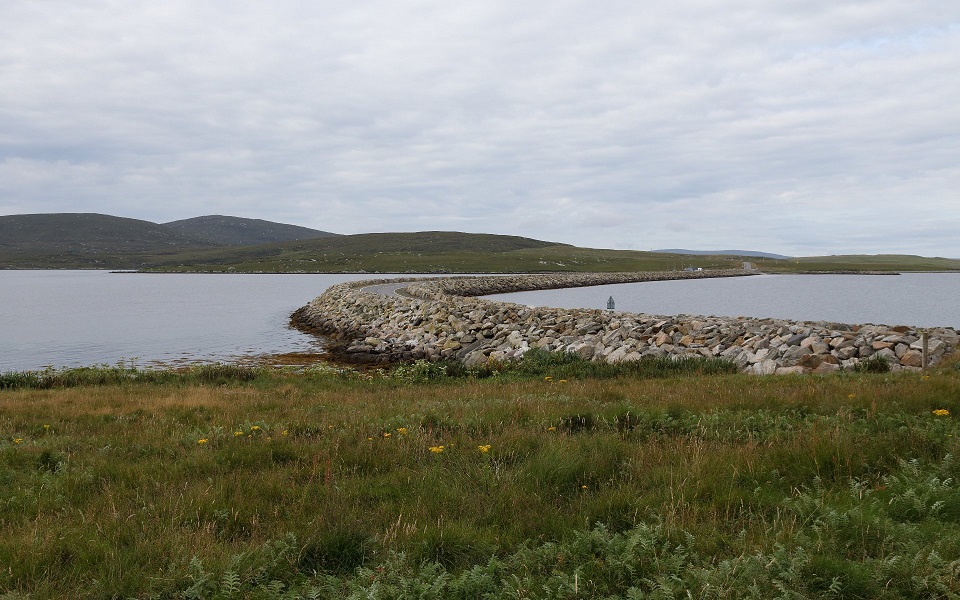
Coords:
453,252
85,240
861,262
745,253
212,244
236,231
430,252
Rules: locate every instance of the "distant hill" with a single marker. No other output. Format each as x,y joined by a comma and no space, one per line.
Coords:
882,262
750,253
430,242
423,251
87,240
236,231
209,244
91,240
89,235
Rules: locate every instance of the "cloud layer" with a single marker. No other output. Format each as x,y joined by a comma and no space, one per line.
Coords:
795,127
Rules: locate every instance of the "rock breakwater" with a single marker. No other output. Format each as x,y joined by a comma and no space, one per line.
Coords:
442,318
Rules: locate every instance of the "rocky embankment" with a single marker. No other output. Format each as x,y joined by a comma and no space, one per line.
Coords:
443,318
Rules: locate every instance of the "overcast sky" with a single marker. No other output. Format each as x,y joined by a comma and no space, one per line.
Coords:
801,127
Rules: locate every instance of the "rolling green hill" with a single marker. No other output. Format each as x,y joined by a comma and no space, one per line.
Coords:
860,262
90,233
431,252
452,252
90,240
426,251
210,244
236,231
86,240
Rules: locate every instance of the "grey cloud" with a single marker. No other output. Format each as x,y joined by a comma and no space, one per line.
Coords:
593,125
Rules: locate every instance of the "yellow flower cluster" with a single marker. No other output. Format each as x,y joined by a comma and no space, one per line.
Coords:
402,430
436,449
17,440
202,441
484,449
942,412
237,433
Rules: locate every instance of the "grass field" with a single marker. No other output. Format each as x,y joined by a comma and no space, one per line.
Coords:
544,481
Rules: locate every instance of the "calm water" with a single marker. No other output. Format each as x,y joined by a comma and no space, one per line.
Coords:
79,318
924,300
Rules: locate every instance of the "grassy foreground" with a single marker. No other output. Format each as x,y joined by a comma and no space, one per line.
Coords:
547,481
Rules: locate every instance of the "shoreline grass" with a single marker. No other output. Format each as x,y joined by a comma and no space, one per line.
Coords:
416,483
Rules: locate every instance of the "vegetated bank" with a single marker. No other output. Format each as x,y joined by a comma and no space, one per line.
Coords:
331,484
444,319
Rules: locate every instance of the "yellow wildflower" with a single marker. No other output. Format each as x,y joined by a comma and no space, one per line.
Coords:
484,449
548,378
237,433
17,440
563,381
402,430
436,449
369,438
255,428
851,396
551,428
387,434
284,432
942,412
925,377
202,441
583,487
46,427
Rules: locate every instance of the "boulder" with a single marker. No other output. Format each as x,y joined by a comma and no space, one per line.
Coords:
796,370
825,368
911,358
793,355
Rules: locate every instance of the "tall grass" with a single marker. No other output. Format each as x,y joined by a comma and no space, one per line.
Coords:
326,486
113,375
